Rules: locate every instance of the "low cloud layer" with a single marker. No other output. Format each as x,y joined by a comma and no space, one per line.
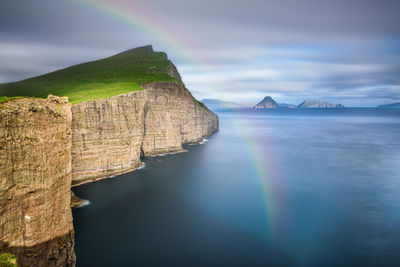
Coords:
338,51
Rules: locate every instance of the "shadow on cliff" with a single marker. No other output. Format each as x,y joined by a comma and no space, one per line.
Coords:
56,252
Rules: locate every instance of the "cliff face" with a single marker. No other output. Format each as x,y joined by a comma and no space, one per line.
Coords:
110,135
35,181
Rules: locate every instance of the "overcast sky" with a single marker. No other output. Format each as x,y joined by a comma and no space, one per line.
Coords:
344,51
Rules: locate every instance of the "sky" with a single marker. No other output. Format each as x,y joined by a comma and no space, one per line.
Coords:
337,51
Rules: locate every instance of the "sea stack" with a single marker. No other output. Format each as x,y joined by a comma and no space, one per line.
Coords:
267,102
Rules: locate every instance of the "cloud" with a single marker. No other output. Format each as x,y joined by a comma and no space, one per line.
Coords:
22,60
239,51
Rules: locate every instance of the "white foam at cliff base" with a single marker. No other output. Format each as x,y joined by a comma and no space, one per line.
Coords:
142,166
166,154
84,203
203,141
179,152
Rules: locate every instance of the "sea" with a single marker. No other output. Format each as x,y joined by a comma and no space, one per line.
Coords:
284,187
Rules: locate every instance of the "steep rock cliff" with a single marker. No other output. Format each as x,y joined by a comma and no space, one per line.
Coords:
45,144
35,181
110,135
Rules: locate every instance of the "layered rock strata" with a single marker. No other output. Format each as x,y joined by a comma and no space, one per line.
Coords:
110,135
35,181
45,144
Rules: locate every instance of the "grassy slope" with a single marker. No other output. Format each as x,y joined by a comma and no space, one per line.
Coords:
103,78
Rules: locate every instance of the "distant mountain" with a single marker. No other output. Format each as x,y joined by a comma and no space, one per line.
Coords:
318,104
214,104
267,102
284,105
393,105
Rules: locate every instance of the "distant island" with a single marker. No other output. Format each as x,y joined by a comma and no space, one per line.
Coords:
267,102
393,105
318,104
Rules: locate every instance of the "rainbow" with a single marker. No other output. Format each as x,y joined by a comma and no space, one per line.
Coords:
148,22
154,25
268,172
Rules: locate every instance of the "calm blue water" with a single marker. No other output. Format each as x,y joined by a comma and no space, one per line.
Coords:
277,187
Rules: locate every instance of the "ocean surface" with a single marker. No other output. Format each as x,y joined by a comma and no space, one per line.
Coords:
272,187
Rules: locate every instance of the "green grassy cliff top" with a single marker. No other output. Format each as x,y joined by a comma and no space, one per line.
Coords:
98,79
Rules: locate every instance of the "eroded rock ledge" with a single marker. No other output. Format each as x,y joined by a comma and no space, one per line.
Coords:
46,146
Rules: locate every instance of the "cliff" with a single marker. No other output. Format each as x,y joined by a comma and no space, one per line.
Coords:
110,135
267,102
35,181
47,145
318,104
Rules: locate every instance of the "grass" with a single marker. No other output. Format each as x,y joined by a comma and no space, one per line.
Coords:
6,98
98,79
7,260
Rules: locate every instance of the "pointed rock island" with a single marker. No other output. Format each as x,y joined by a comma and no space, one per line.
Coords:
266,103
78,125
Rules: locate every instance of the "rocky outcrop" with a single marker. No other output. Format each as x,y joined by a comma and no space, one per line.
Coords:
35,181
318,104
267,102
110,135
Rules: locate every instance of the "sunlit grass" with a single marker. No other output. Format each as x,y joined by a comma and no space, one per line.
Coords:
104,78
